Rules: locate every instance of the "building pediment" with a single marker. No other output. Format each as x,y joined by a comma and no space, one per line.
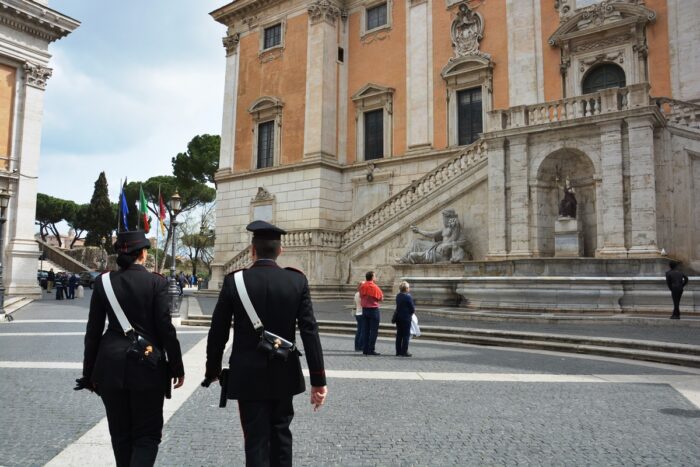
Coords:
467,64
265,103
602,16
372,90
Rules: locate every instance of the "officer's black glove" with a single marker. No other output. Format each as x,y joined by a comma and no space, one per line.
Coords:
83,383
207,381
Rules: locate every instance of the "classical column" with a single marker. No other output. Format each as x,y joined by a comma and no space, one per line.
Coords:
418,76
228,124
519,203
612,201
497,199
22,251
524,55
642,186
320,118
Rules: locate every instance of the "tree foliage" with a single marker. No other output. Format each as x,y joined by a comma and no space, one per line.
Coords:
101,216
198,237
199,163
49,212
77,218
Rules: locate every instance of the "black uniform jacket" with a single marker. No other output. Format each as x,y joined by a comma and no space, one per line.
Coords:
143,296
676,279
281,299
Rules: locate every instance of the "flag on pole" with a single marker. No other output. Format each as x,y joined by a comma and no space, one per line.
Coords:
143,210
124,208
161,214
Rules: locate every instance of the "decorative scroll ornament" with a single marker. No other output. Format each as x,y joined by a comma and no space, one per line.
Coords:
467,30
37,75
324,10
231,43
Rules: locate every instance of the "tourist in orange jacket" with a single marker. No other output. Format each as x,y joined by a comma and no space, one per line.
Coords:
370,296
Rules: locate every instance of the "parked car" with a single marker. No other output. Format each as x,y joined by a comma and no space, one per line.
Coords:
87,278
42,277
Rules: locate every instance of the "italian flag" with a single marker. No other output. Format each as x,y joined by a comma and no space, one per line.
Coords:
143,210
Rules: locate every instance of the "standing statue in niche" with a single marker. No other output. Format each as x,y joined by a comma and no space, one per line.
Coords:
567,206
446,244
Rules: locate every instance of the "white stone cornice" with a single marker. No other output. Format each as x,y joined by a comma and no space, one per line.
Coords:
36,20
231,43
37,75
325,10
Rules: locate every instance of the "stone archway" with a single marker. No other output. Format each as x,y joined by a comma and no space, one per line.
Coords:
552,174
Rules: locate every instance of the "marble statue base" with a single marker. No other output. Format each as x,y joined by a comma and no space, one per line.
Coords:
568,238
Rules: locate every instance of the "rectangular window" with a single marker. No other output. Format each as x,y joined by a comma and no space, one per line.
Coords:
273,36
376,16
469,120
266,144
374,134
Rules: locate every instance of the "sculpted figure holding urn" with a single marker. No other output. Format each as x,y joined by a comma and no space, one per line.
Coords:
445,244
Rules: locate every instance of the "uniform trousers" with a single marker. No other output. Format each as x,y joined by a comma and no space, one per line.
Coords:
268,439
135,421
403,335
676,293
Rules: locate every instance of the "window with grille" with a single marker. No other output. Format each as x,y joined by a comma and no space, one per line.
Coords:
273,36
266,144
374,134
469,119
376,16
603,77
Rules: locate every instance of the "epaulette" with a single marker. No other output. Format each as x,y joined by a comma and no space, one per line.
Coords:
289,268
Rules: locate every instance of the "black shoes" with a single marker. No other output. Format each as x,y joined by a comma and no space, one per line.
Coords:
371,353
675,316
404,355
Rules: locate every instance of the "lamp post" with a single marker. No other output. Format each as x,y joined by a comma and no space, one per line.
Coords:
175,207
4,201
102,255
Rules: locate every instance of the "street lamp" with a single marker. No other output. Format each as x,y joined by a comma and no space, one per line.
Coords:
102,255
4,201
175,207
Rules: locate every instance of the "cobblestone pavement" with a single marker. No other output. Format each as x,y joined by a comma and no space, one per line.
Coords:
450,404
676,332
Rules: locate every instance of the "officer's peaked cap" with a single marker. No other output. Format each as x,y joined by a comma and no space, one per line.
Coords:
130,241
265,231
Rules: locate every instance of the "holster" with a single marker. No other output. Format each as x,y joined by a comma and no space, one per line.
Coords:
223,381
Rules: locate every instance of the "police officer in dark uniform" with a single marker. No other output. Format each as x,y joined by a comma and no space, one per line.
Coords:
676,281
132,391
264,386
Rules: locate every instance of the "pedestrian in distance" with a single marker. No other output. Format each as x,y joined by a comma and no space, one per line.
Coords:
405,308
676,281
370,296
60,283
72,284
131,365
50,279
266,303
357,312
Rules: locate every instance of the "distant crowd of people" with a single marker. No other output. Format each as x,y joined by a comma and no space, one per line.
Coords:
65,283
186,280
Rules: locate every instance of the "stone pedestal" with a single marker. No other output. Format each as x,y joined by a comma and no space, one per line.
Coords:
568,237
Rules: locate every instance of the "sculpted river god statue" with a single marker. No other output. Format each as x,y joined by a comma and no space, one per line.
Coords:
445,244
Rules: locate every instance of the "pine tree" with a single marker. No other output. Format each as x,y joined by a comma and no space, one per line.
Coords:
101,217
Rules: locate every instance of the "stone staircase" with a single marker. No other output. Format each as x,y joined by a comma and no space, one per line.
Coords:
61,260
679,113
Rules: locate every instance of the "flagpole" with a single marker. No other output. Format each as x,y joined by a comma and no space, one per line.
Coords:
119,207
157,230
138,222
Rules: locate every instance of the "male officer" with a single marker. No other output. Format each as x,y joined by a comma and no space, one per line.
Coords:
264,386
676,280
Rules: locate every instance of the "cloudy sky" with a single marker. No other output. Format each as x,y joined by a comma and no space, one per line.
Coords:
130,87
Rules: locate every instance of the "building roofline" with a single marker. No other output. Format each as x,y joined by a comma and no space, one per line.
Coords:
36,19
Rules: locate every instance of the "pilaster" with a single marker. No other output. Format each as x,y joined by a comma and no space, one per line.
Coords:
519,202
497,199
642,187
320,118
418,76
228,124
523,59
612,201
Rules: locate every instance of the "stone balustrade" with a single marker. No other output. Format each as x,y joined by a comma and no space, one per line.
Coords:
602,102
240,261
679,112
422,188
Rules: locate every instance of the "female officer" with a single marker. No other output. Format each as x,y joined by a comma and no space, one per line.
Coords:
405,307
131,390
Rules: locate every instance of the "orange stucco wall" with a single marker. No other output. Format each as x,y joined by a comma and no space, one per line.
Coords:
7,94
659,62
283,77
551,56
495,43
380,59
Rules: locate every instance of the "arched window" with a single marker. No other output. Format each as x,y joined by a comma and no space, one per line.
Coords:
603,76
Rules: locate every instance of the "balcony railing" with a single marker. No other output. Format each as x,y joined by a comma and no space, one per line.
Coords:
602,102
679,112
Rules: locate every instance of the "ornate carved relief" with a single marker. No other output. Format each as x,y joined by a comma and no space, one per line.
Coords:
467,31
37,75
251,22
324,10
263,195
587,63
231,43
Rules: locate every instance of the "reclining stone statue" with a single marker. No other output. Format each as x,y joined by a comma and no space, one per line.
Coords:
445,244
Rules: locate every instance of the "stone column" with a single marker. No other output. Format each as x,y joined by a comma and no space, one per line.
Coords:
228,124
519,202
22,251
524,56
642,186
497,199
320,118
418,76
612,202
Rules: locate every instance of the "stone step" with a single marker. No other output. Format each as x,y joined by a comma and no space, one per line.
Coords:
13,304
